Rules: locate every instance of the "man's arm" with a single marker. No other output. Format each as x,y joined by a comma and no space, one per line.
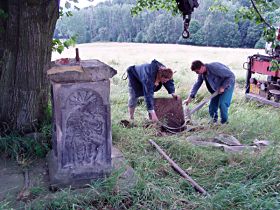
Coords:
196,86
194,90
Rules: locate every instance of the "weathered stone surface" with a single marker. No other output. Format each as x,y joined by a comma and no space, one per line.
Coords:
82,138
227,139
226,143
261,143
87,71
169,111
223,147
128,179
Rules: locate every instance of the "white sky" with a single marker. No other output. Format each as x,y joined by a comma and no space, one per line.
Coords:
82,3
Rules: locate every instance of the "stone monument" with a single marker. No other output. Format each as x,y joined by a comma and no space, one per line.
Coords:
82,138
170,112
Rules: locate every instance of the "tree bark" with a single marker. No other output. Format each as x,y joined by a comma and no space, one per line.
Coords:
25,50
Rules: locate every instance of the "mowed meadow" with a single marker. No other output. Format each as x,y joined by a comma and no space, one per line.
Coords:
247,180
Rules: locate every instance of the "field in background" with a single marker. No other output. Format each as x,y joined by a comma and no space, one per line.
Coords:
177,57
249,180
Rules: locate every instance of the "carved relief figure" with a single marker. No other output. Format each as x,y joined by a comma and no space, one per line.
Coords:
85,129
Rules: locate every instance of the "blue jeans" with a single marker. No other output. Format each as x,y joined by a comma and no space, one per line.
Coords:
221,101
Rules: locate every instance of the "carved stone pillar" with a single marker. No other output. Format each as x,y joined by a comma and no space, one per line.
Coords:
82,138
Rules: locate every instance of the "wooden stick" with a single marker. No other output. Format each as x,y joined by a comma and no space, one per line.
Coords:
178,169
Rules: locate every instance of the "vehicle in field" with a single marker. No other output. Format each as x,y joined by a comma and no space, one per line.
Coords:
267,90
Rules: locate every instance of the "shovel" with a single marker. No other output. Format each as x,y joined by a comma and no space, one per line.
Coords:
189,112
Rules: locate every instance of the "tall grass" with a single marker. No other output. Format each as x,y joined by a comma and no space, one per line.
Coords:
234,181
23,148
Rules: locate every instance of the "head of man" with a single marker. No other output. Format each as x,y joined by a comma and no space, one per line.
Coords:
198,67
164,74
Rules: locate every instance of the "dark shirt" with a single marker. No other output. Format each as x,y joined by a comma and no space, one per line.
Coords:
209,87
142,79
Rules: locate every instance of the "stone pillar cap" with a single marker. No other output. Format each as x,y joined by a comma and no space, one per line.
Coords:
84,71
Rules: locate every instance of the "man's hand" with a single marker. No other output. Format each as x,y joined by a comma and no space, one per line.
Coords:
221,90
187,101
175,96
153,116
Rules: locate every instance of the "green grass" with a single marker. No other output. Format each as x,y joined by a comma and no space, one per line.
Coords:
234,181
23,149
4,205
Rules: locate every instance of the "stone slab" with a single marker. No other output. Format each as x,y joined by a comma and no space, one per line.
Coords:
82,134
169,111
126,181
85,71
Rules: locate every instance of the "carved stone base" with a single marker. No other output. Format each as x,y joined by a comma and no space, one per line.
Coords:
82,134
126,181
74,177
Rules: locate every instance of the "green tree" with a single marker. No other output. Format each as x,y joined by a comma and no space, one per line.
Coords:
195,26
73,26
246,11
112,22
254,33
140,37
200,37
260,44
164,30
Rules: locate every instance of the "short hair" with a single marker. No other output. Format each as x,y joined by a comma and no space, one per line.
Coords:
196,65
165,72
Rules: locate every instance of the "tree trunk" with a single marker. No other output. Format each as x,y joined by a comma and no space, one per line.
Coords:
25,55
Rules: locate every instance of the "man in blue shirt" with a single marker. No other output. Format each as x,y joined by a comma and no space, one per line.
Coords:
217,77
144,80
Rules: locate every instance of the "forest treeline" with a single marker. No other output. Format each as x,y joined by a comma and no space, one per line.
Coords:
112,21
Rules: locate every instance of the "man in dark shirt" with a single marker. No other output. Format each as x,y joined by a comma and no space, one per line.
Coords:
144,80
217,77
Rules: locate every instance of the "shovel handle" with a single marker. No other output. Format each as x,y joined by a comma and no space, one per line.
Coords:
202,103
